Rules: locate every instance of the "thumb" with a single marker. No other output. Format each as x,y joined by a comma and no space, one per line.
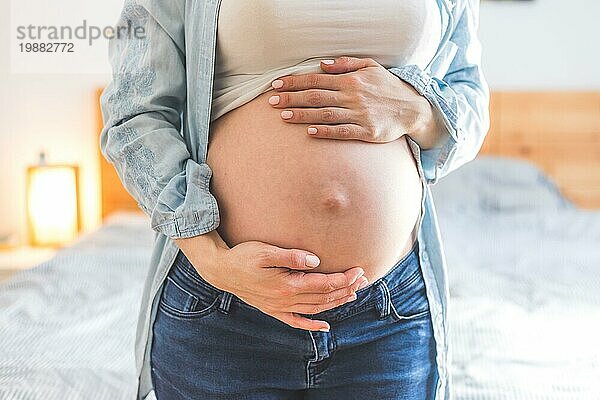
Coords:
345,64
291,258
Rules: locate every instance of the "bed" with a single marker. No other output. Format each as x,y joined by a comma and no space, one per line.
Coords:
524,277
67,326
524,269
523,264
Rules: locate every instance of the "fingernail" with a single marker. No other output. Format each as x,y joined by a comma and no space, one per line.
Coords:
273,100
364,283
328,62
312,131
286,114
325,329
312,260
277,83
352,298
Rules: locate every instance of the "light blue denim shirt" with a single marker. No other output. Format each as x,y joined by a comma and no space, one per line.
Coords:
156,113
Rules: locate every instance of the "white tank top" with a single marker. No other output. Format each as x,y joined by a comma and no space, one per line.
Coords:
260,40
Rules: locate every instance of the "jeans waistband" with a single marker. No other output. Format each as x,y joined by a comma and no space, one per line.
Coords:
377,293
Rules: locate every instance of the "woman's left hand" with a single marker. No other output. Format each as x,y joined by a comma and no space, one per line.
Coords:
357,98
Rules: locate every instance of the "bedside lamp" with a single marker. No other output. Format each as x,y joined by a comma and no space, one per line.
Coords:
52,203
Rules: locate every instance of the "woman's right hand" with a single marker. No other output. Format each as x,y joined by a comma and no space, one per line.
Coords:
277,281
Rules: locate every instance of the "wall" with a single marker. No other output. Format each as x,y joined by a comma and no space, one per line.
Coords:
52,111
543,44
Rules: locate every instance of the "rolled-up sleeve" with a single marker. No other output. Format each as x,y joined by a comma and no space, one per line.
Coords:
142,109
461,97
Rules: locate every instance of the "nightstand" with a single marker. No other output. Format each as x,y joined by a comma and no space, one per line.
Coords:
22,257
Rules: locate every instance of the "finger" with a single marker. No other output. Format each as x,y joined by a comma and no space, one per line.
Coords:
297,321
348,64
291,83
323,298
315,282
317,308
325,115
340,131
307,98
273,256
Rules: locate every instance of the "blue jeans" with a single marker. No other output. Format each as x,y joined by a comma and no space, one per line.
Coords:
209,344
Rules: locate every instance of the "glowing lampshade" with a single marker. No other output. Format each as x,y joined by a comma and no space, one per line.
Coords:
52,204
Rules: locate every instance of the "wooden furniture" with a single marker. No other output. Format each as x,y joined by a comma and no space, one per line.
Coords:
558,131
113,194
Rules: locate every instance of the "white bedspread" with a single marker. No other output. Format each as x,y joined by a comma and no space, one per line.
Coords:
524,269
67,326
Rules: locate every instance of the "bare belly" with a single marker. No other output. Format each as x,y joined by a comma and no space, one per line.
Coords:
351,203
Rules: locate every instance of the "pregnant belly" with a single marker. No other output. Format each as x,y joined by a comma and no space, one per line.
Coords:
351,203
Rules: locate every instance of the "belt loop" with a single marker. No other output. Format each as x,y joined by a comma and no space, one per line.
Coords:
384,304
225,302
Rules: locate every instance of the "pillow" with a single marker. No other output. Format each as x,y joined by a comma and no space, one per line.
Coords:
498,184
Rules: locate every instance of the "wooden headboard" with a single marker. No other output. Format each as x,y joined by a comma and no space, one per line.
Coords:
113,194
558,131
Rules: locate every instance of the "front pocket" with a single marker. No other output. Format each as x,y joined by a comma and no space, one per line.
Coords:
176,301
409,300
